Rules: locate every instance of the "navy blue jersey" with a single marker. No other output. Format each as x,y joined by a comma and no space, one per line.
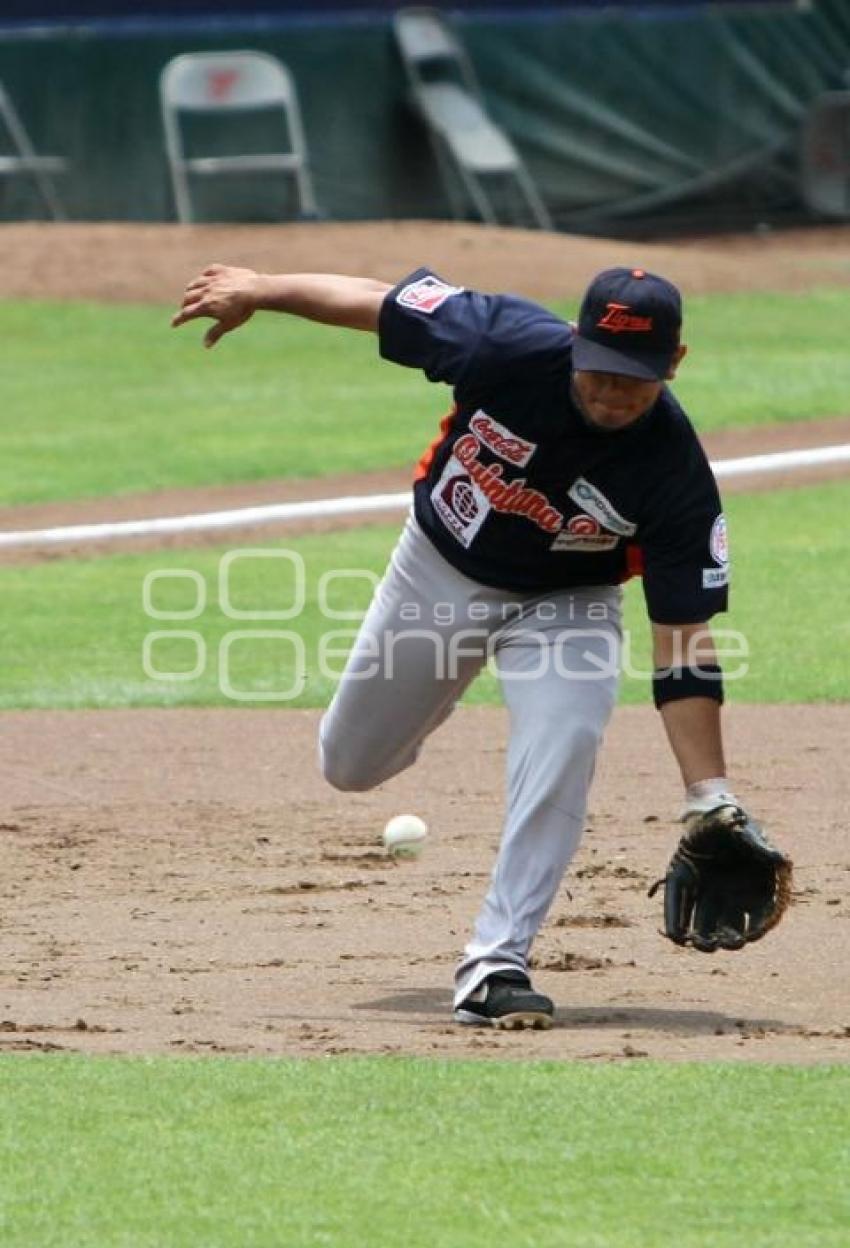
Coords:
519,492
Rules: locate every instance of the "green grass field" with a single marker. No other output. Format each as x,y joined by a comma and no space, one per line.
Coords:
72,631
101,401
349,1153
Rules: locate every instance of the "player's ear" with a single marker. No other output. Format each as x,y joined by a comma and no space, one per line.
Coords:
681,352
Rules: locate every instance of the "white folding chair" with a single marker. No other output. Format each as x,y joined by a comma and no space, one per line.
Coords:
24,159
468,145
238,83
825,155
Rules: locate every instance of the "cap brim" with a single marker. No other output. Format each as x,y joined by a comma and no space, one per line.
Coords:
592,357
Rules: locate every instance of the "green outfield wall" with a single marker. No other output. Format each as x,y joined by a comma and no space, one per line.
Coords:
665,119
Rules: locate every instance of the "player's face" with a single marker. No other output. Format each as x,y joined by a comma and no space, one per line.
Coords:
612,402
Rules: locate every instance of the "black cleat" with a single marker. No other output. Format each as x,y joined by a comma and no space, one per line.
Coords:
506,999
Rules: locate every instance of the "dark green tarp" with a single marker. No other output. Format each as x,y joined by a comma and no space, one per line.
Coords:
628,122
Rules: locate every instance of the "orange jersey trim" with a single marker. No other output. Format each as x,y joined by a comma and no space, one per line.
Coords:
424,465
634,561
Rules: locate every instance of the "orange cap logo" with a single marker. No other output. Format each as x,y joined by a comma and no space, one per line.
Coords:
619,319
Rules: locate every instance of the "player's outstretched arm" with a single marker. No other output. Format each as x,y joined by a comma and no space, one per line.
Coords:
726,885
230,296
692,724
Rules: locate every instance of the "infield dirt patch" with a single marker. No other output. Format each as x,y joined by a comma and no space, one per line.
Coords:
184,881
152,263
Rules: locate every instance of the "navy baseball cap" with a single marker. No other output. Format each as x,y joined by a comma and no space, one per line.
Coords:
629,323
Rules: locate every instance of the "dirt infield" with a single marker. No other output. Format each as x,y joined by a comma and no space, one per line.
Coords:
151,263
181,881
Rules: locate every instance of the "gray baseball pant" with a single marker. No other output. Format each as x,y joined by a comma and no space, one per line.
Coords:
427,634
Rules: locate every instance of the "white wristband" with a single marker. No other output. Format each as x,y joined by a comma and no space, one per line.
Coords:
706,795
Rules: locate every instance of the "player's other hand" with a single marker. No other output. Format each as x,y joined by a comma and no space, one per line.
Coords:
225,293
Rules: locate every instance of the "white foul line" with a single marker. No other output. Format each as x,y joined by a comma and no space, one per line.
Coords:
782,459
357,505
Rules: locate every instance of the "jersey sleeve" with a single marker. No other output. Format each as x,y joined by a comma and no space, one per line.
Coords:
684,548
462,336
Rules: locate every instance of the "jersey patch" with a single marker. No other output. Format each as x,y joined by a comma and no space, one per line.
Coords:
459,503
427,294
715,578
594,501
582,533
514,497
719,541
575,542
509,446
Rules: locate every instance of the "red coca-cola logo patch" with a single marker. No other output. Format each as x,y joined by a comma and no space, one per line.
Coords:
506,444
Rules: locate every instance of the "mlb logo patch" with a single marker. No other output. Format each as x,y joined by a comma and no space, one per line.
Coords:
427,294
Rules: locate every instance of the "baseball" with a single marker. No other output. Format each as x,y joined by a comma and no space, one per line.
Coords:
404,836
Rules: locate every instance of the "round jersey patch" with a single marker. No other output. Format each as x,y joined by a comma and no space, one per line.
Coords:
719,541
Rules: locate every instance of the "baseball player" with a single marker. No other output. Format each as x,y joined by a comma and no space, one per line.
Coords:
564,467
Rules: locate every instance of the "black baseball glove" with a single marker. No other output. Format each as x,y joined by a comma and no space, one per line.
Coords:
726,885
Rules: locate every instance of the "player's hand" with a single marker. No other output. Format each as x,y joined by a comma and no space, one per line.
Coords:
223,292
